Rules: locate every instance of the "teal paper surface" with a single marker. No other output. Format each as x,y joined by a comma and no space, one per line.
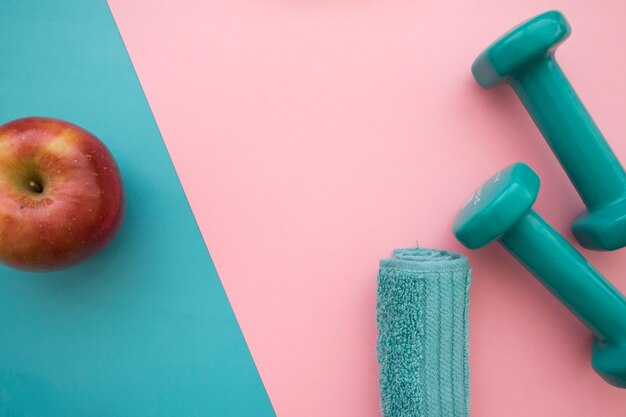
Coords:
145,328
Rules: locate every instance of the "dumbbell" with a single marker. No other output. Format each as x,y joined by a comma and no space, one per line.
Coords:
524,58
501,210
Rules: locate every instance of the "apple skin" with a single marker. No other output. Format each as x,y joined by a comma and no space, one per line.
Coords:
61,194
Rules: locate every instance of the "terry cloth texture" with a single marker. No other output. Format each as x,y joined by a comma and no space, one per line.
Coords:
422,306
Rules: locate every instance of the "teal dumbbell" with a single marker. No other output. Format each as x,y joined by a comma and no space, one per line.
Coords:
501,209
524,58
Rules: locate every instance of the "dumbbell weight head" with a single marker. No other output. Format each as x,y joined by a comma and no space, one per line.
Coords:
509,55
609,361
496,206
603,228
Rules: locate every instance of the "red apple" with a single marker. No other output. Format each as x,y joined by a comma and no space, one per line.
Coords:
61,194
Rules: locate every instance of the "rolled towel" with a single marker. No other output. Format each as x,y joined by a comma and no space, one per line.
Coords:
421,313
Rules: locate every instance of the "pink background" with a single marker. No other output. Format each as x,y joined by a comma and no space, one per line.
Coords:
313,137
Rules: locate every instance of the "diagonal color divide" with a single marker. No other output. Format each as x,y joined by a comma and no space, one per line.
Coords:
312,137
144,329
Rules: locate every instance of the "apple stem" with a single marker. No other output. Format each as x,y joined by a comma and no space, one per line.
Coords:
35,187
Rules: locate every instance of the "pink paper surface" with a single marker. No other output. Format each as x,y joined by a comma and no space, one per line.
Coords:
313,137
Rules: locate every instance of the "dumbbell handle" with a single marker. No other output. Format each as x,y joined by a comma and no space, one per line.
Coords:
568,275
571,132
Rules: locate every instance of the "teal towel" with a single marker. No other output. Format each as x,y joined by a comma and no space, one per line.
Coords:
422,306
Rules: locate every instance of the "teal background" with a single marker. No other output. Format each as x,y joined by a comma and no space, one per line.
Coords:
145,328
